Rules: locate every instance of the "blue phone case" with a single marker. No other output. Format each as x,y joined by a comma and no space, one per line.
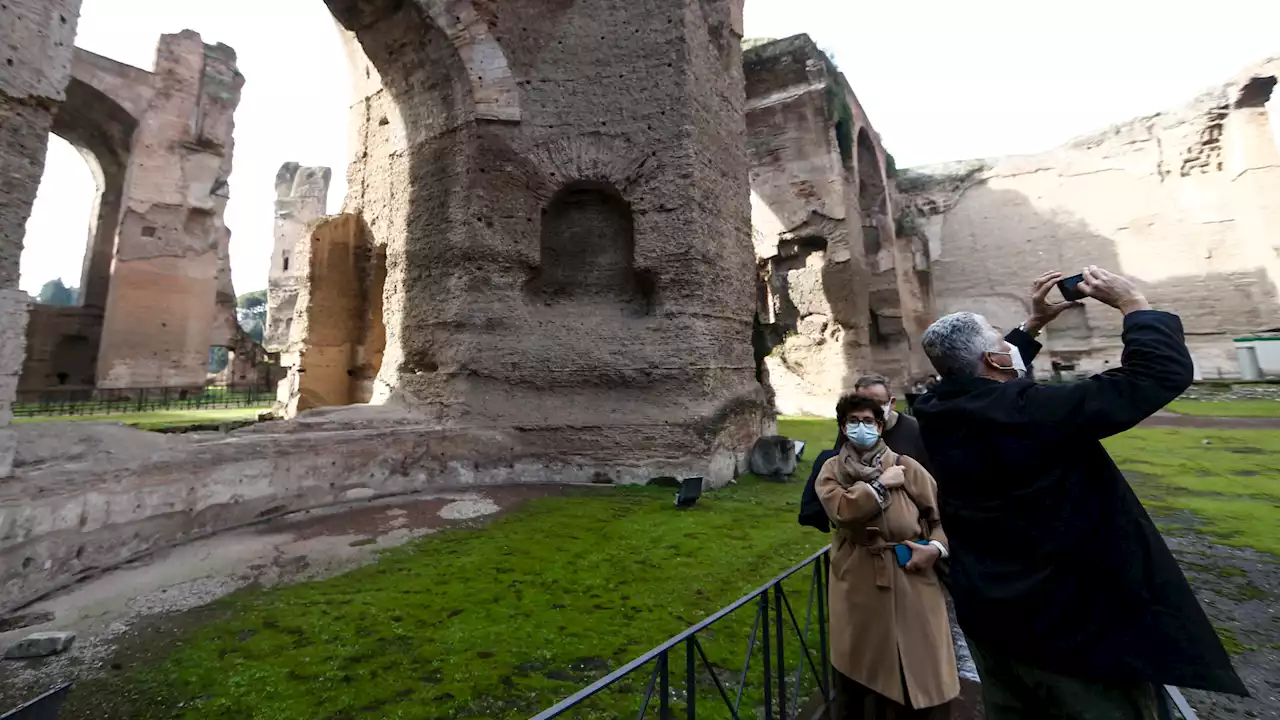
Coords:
904,554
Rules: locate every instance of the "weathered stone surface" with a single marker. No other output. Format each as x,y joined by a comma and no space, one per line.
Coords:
337,336
301,196
488,320
1185,201
9,623
171,246
37,36
161,320
41,644
564,298
841,293
773,456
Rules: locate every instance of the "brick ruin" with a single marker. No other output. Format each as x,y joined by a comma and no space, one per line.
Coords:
156,283
841,292
544,268
1186,201
302,195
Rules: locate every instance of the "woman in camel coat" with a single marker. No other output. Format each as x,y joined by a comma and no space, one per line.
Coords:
890,635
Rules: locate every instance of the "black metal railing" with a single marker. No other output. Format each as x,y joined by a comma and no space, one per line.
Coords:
780,690
63,402
45,707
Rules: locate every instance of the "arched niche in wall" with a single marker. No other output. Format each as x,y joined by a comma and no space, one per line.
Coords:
587,248
871,192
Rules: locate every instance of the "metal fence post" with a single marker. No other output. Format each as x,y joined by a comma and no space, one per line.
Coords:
782,657
664,685
691,679
819,578
765,651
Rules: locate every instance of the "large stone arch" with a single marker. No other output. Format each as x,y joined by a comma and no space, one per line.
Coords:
97,119
102,130
493,89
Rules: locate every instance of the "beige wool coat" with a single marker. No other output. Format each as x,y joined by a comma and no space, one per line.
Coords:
881,613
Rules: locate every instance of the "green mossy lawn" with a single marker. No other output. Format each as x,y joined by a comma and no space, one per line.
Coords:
499,622
504,621
159,419
1226,408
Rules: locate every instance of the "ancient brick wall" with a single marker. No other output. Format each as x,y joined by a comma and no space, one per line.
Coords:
172,242
37,36
1185,201
841,294
301,197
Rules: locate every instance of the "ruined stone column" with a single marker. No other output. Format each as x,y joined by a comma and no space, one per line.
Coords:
569,256
301,197
159,320
38,38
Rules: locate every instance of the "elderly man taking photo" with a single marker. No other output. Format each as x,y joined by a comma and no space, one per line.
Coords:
1073,605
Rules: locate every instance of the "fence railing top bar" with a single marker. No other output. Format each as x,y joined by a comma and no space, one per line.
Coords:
617,675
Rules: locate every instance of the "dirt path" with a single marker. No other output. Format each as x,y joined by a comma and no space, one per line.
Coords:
1174,420
1239,588
110,609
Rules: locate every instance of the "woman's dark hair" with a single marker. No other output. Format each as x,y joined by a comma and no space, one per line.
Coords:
852,403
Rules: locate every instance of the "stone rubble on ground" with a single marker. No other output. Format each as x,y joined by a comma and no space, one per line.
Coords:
41,644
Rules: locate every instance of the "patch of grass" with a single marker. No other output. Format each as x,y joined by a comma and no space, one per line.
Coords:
159,419
494,623
1231,485
1231,643
1226,408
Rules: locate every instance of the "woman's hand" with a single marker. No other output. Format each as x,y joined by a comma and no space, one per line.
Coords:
893,478
922,556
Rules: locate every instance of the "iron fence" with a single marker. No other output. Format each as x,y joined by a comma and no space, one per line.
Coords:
62,402
45,707
781,692
776,629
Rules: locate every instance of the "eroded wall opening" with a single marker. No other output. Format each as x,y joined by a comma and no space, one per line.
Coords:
587,249
63,214
871,194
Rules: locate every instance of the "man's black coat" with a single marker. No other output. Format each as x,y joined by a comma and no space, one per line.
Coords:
1054,561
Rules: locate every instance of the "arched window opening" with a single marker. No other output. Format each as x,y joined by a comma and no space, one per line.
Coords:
588,247
844,139
871,193
54,248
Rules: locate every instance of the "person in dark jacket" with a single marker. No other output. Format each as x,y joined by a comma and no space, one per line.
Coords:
901,434
1071,601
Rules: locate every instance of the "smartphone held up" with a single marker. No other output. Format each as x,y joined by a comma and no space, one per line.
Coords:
1070,288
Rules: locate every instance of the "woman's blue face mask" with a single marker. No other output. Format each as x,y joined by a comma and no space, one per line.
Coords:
862,433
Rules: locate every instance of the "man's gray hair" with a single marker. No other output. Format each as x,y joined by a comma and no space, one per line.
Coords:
955,343
867,381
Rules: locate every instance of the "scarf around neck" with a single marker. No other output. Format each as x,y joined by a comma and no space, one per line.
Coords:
860,465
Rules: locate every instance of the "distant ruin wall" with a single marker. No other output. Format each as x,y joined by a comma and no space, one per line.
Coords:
170,280
301,197
1187,202
841,294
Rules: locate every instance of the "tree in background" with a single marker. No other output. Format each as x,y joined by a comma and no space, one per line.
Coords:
218,359
251,313
56,293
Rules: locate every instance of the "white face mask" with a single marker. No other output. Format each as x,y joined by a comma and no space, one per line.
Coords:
888,408
1015,361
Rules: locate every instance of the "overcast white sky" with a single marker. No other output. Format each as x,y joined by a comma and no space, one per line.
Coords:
940,79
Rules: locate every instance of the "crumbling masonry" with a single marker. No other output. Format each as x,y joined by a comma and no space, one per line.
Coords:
549,216
1187,202
156,285
301,197
842,291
